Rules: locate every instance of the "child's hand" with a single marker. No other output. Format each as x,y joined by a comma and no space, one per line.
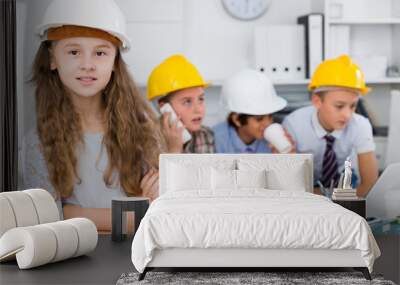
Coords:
293,143
172,133
291,140
149,184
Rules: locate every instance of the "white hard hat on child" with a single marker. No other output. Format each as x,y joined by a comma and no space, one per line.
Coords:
103,15
251,92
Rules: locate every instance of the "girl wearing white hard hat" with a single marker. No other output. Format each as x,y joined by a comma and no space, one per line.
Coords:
96,137
251,100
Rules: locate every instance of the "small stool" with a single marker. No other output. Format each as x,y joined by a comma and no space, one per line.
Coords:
138,205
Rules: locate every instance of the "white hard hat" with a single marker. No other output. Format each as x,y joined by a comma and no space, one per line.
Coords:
99,14
251,92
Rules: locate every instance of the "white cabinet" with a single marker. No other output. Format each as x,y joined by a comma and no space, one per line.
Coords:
368,31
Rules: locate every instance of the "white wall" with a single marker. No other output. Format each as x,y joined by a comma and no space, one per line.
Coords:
202,30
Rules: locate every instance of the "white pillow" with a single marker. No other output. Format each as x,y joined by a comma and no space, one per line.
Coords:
227,179
293,180
282,174
251,178
223,179
188,177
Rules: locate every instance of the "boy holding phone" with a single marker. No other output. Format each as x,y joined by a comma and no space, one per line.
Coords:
179,89
330,130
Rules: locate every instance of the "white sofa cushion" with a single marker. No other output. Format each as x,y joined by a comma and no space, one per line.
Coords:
27,208
7,215
67,240
87,233
51,240
24,211
45,207
40,244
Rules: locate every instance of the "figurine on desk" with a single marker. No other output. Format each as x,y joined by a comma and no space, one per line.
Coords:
344,190
345,195
346,183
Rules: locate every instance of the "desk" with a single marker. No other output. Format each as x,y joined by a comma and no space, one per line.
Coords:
94,268
356,205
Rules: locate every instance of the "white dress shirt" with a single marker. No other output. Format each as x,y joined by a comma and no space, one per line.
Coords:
305,128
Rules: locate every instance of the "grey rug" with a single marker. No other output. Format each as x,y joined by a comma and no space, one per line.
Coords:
228,278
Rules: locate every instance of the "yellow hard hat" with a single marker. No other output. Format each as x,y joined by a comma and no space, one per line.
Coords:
341,72
174,73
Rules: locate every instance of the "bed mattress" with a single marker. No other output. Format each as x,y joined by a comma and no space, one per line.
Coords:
250,219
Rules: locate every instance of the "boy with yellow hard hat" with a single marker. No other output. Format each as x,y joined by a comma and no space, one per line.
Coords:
177,82
330,129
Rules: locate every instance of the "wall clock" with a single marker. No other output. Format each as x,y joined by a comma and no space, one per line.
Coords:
246,9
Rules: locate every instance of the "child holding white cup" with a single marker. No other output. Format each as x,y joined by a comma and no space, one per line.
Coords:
251,100
278,138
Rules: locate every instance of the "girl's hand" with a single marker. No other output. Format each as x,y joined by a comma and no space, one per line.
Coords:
149,184
172,133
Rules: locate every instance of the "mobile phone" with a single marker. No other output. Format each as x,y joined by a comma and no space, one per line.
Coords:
186,136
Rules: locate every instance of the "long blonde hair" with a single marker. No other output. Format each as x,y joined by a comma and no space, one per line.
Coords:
132,137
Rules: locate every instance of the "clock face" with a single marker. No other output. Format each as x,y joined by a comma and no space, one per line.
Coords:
246,9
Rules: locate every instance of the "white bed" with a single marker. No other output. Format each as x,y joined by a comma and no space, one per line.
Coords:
247,211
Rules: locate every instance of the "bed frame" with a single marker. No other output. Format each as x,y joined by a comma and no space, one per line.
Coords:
260,259
246,259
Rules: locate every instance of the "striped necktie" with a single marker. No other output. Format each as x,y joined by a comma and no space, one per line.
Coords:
329,163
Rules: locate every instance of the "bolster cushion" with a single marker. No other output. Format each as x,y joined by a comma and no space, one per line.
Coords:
26,208
40,244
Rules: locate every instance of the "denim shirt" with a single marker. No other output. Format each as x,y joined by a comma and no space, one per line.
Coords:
227,140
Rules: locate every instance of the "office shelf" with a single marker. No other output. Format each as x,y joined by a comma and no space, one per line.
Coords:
364,21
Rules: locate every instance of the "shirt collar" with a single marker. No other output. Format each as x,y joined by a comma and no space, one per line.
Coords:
319,130
239,145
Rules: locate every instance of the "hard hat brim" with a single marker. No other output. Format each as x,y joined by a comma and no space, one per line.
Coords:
313,89
158,96
273,107
126,44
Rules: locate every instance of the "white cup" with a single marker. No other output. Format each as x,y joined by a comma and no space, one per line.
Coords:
276,136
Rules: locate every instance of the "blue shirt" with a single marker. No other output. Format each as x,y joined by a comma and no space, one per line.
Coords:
227,140
304,127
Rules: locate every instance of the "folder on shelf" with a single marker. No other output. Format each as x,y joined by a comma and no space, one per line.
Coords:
339,41
314,40
279,51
